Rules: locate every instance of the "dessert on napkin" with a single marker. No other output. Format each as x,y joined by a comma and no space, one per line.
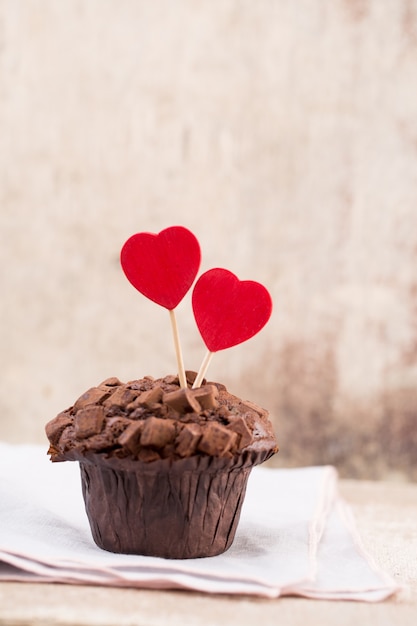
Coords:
165,462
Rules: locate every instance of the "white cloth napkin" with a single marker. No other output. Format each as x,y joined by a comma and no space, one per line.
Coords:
296,536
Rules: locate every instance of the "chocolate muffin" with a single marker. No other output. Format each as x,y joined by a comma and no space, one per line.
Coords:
163,469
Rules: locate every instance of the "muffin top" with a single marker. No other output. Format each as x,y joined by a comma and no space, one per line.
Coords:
151,419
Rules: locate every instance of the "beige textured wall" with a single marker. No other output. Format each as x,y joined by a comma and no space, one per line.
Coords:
284,134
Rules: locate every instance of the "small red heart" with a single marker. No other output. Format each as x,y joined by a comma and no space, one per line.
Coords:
229,311
162,266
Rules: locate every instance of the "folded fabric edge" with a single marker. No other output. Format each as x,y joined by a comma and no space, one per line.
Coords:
383,588
325,502
157,580
348,519
15,574
372,595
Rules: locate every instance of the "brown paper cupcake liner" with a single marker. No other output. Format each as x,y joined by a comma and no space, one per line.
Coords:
180,509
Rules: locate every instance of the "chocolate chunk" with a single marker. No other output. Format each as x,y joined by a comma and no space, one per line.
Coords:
252,407
147,455
55,427
182,401
147,398
91,396
130,438
121,397
67,440
108,437
216,439
157,432
88,421
116,425
167,452
206,396
239,426
132,406
136,384
97,443
114,411
120,453
171,380
110,382
151,396
223,412
188,439
190,376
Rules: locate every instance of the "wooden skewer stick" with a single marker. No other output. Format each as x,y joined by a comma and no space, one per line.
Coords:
178,352
203,369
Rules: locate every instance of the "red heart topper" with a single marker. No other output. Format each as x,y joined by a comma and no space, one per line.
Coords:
229,311
163,266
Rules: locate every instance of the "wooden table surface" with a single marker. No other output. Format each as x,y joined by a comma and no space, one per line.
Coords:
387,518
